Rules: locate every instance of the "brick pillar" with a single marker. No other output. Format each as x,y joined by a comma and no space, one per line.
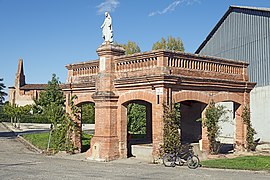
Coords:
205,141
241,128
240,132
122,129
162,95
105,143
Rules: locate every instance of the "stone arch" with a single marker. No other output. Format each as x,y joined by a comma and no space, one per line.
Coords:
206,97
226,96
83,98
122,111
137,95
191,95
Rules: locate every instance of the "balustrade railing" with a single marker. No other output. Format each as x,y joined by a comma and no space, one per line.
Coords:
135,62
221,66
84,69
185,64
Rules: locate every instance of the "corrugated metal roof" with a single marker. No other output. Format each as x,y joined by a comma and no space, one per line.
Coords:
243,33
231,9
251,8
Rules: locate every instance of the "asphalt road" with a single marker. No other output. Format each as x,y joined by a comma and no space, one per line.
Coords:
17,162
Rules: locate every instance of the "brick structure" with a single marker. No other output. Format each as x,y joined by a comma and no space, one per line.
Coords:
22,94
152,78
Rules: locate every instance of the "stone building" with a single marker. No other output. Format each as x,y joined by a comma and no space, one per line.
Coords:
21,93
243,33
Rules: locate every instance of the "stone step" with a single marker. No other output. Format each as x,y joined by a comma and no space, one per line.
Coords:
265,147
143,152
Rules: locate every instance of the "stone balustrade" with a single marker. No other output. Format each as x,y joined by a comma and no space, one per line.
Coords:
81,70
84,69
182,64
138,61
179,63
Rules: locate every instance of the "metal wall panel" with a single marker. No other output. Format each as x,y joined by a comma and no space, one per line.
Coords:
244,35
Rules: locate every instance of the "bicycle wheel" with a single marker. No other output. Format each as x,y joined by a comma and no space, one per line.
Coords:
193,162
169,160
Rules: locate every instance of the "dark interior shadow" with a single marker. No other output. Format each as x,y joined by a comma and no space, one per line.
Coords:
226,148
8,135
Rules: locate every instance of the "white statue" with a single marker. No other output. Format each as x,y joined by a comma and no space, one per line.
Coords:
107,32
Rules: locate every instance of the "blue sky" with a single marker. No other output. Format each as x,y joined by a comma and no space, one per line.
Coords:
49,34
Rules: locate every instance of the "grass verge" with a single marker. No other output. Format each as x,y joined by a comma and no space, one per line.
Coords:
256,163
40,140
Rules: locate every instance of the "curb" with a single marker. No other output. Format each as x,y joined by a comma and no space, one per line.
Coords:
23,141
28,144
4,124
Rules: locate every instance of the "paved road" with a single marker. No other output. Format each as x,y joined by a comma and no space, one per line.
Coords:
17,162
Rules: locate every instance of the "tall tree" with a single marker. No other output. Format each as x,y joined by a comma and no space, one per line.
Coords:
51,101
2,93
131,47
171,43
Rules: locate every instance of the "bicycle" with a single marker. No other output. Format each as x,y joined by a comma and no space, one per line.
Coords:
181,156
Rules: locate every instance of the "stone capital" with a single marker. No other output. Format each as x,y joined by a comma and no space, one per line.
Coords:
110,49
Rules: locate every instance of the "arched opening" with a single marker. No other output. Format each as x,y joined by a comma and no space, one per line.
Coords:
190,123
227,134
139,124
87,117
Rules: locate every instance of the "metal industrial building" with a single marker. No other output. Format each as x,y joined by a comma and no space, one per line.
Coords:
243,33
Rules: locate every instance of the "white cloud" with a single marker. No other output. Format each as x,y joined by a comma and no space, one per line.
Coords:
172,6
107,5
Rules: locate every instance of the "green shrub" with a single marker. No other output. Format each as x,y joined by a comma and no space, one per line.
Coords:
171,136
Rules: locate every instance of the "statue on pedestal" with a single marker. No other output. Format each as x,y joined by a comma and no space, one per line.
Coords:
107,32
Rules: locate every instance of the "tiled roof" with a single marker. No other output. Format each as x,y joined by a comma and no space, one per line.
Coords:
34,87
39,86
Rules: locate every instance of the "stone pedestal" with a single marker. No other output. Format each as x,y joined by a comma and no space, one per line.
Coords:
105,143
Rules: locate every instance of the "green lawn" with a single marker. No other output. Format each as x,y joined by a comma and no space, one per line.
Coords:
256,163
40,140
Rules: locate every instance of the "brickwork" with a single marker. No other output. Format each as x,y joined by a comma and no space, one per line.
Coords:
155,78
21,93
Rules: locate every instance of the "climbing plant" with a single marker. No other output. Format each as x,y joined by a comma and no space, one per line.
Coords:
171,135
62,133
250,130
213,115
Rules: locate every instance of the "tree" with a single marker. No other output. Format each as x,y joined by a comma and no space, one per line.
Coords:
130,48
136,118
213,115
51,94
51,104
9,111
88,113
15,113
171,43
2,93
